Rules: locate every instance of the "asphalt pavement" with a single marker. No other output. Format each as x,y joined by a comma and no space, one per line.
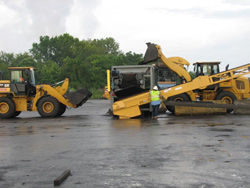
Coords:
101,151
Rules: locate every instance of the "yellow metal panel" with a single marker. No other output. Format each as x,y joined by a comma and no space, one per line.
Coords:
130,107
4,89
4,86
64,88
20,68
4,81
226,84
246,96
21,103
172,64
108,80
106,94
127,113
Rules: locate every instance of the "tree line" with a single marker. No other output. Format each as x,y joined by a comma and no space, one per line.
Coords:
84,62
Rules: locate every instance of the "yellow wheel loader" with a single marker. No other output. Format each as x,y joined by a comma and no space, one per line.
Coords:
21,94
228,91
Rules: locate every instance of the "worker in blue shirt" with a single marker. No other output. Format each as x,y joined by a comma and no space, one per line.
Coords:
155,101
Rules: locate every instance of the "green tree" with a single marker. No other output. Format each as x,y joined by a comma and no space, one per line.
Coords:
55,49
49,72
23,60
4,70
6,60
84,62
192,74
106,46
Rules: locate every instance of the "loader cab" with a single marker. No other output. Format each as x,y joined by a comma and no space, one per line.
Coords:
206,68
22,80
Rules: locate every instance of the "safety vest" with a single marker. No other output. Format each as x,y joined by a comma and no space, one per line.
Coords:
155,95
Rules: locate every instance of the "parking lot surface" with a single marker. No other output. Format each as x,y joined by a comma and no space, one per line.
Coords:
101,151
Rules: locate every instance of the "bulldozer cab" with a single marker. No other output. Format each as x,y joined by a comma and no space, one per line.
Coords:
206,68
22,80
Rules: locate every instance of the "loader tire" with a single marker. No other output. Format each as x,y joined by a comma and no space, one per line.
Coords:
228,97
181,97
62,109
48,107
7,108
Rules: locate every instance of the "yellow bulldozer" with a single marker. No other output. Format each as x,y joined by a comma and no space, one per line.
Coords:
20,93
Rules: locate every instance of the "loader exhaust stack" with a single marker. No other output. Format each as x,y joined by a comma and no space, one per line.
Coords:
150,55
79,97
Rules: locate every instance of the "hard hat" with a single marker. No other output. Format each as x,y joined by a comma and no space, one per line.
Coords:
155,88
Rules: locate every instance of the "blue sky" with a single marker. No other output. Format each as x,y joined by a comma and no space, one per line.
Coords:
197,30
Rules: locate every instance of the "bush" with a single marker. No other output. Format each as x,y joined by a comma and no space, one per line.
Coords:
96,93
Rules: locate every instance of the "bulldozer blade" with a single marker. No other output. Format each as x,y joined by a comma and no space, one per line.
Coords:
150,55
79,97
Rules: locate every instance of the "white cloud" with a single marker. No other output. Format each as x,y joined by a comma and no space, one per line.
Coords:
195,29
48,16
182,28
8,14
82,22
13,26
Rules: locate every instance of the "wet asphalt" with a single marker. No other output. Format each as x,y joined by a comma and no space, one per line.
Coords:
173,151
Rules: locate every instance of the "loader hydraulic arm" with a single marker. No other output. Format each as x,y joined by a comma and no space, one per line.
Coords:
176,64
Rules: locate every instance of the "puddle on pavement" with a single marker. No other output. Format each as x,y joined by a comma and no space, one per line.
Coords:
208,146
213,124
136,123
221,130
28,130
128,123
216,124
225,135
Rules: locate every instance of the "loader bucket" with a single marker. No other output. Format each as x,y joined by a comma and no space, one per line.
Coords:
150,55
79,97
